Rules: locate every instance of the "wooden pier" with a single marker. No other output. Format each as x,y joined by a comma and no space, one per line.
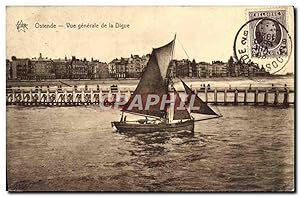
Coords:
279,96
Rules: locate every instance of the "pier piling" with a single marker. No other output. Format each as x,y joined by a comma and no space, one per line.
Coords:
245,96
21,101
39,95
216,96
286,97
256,97
276,96
236,97
92,96
225,96
206,96
13,96
266,102
30,96
88,96
82,96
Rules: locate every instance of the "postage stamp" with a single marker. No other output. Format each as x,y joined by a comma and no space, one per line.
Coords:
267,34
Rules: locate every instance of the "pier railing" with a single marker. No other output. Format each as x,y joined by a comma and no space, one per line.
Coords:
275,96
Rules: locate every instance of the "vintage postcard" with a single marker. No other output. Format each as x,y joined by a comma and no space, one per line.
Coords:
150,99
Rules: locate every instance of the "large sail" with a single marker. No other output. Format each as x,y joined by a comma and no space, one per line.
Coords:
152,82
204,108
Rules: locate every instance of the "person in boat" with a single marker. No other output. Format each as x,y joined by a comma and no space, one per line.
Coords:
146,120
141,121
208,86
121,118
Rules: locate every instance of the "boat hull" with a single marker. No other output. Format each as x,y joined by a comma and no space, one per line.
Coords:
146,128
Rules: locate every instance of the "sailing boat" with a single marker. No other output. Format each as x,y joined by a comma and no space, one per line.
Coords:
156,83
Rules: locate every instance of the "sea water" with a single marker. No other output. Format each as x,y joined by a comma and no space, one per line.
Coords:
75,148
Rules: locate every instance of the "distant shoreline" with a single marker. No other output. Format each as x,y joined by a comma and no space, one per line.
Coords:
72,82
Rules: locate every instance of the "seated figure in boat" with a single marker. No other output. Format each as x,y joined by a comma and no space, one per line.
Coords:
123,118
143,121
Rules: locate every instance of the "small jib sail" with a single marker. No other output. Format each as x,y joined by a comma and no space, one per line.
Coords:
203,108
180,112
154,81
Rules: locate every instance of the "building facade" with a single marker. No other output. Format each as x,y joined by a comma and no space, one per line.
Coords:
62,68
183,68
202,70
43,68
118,68
99,70
8,70
132,67
218,69
20,68
79,68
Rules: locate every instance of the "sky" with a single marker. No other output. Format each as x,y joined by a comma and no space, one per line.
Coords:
206,33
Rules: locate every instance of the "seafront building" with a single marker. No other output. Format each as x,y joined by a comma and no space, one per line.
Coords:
131,67
44,68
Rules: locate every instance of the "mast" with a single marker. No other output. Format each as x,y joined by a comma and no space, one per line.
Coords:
172,56
170,110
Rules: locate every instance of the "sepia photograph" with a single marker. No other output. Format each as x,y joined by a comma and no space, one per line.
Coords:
150,98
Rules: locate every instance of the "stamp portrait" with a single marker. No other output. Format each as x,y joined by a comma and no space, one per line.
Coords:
268,37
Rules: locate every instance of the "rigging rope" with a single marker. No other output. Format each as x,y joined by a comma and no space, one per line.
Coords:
183,49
